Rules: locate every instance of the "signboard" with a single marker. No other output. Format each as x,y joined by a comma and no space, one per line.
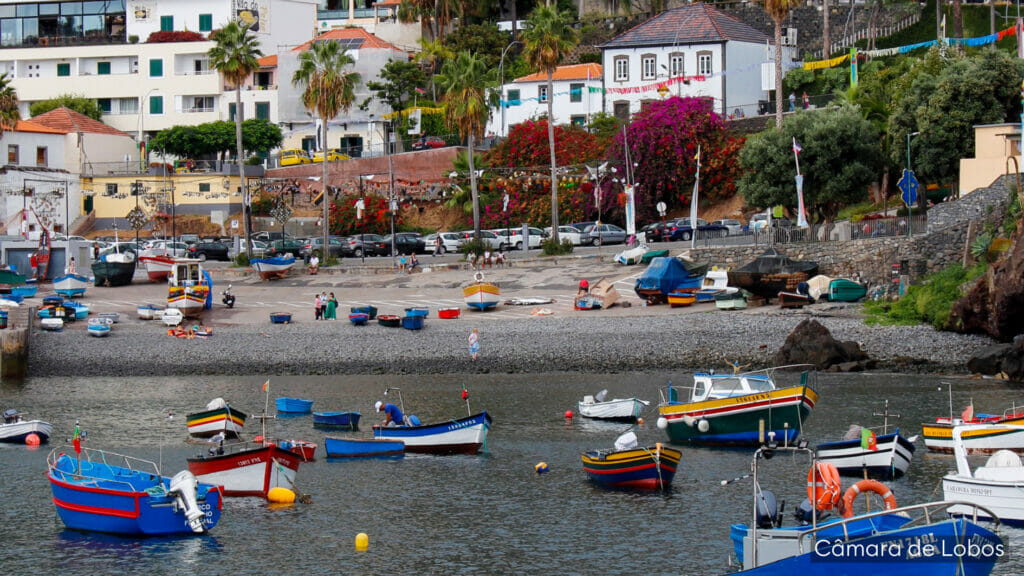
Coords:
661,208
908,186
234,224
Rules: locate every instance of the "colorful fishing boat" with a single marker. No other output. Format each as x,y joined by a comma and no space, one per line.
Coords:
336,420
389,320
217,418
616,409
294,405
70,285
886,457
678,299
844,290
189,288
481,295
305,450
938,436
158,266
358,318
247,468
16,430
448,313
363,448
736,409
370,311
276,267
628,466
771,273
101,491
666,275
461,436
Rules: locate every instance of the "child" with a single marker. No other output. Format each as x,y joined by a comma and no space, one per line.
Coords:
401,263
474,344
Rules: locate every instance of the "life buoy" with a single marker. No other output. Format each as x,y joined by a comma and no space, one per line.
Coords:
479,276
823,485
867,486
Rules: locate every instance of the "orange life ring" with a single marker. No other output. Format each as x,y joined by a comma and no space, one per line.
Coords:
867,486
823,485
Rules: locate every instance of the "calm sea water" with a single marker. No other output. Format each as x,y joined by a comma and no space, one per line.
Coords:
487,514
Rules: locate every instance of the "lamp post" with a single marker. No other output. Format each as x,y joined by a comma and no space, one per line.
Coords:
910,209
360,208
501,80
909,136
142,112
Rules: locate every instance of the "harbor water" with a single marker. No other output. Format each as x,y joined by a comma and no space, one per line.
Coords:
486,514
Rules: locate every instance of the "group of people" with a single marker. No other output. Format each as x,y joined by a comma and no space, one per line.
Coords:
792,101
481,261
408,263
325,307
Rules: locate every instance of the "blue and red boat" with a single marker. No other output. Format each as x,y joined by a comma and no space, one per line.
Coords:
91,493
667,275
632,467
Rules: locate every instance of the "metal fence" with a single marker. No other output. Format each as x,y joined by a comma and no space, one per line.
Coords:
818,233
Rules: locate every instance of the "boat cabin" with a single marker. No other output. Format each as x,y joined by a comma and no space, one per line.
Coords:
715,386
186,273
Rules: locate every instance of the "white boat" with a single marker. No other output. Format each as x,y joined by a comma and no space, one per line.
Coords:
481,295
817,287
172,317
216,418
622,409
276,267
148,312
99,327
52,324
16,429
889,460
995,486
158,266
188,288
731,300
246,468
457,436
631,256
114,317
938,436
70,285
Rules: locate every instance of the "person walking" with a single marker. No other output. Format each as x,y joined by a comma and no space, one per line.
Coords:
792,102
332,307
317,307
440,244
474,343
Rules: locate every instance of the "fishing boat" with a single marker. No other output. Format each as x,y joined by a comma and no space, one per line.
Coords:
158,266
363,448
844,290
736,409
652,254
731,300
98,327
148,312
102,491
793,299
627,466
305,450
358,318
618,409
996,486
890,541
447,313
886,456
52,324
115,269
370,311
771,273
412,322
114,317
217,418
481,295
276,267
458,436
678,299
817,287
666,275
10,278
600,296
80,309
246,468
294,405
53,300
389,320
280,317
71,285
336,420
938,436
419,311
189,288
631,256
15,429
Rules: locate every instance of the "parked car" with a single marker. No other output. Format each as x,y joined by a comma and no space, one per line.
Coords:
705,229
450,242
490,239
209,251
370,244
337,245
405,243
735,227
505,234
757,221
604,233
566,233
294,157
536,237
333,155
268,236
62,238
428,143
656,232
282,247
188,239
260,249
160,247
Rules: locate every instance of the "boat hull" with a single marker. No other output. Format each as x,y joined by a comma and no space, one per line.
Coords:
305,450
619,409
1004,499
17,432
190,300
336,420
462,436
793,300
389,320
481,296
158,268
249,471
677,299
294,405
412,322
891,459
269,268
363,448
640,469
738,421
98,330
113,273
938,437
843,290
212,422
358,318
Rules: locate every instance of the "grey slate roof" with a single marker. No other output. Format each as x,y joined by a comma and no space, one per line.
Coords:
693,24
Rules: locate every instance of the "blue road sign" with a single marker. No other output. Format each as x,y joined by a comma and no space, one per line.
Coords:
908,184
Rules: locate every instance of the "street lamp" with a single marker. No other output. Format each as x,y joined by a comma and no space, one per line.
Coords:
360,208
501,80
142,112
909,136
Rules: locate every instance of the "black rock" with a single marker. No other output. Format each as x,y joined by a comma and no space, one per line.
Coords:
812,343
989,360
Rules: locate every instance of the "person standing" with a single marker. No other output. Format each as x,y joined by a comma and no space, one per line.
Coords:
70,267
332,307
474,343
440,243
317,307
807,101
792,102
33,264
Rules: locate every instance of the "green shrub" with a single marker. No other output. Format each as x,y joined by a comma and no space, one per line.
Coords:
930,302
980,246
242,259
551,248
474,247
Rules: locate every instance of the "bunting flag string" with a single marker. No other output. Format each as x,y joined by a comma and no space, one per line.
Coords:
405,113
830,63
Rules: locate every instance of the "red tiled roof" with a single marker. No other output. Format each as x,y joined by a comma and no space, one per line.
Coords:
369,40
568,72
67,120
692,24
268,61
387,3
27,126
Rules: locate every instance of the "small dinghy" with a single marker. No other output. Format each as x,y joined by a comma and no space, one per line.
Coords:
171,317
412,322
99,327
632,467
389,320
148,312
370,311
114,317
52,324
358,318
448,313
280,317
617,409
305,450
336,420
294,405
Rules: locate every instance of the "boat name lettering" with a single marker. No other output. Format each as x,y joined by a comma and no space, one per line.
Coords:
972,490
457,425
752,398
248,461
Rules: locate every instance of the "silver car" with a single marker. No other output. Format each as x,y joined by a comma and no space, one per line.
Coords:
735,227
606,234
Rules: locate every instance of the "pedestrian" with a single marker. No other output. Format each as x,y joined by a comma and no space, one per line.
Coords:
440,244
487,259
792,102
413,262
807,101
499,259
70,267
392,414
33,264
95,250
332,307
474,343
318,308
401,263
314,264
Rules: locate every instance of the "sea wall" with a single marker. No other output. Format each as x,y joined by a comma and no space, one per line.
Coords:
14,344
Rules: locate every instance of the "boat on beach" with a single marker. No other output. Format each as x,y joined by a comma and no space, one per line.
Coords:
631,256
731,300
358,318
217,418
481,295
772,272
844,290
116,269
275,267
15,429
667,275
681,299
632,467
617,409
158,266
98,327
189,287
389,320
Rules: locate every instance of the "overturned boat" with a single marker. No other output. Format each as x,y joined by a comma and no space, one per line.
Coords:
771,273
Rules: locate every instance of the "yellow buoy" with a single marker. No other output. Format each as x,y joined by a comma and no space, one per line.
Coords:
281,495
362,542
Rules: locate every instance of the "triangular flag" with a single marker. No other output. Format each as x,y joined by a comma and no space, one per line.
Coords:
796,147
465,393
266,386
868,441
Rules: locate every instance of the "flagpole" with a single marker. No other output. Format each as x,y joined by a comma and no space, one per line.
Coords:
693,204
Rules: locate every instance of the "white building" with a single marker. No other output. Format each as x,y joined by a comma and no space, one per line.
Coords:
378,17
693,51
573,100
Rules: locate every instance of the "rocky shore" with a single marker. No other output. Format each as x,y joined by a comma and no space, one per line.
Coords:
596,344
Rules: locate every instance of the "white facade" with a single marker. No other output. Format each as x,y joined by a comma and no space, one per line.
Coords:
33,181
526,99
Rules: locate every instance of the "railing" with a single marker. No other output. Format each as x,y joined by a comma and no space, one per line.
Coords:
343,14
880,32
817,233
197,109
155,168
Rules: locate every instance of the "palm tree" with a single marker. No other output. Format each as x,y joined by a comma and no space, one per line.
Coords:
432,53
9,114
779,11
236,55
468,93
328,89
548,38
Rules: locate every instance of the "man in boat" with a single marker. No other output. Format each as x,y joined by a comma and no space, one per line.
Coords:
392,414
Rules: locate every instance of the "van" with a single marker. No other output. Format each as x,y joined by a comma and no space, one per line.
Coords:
294,156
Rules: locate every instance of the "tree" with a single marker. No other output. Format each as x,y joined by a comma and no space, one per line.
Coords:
431,55
9,114
841,157
399,81
80,104
327,90
526,145
548,38
236,55
258,135
483,40
468,86
779,11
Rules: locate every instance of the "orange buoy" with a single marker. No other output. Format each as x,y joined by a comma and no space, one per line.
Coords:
32,439
867,486
823,485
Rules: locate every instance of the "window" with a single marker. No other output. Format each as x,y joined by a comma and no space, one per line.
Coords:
263,111
166,23
201,104
675,65
648,67
542,93
63,69
204,186
129,105
580,121
575,92
309,143
12,154
156,104
704,67
40,155
104,104
621,110
205,22
513,96
231,112
111,189
156,68
103,68
621,68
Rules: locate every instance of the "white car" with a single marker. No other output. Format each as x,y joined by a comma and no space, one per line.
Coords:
491,239
450,242
536,237
735,227
161,247
566,233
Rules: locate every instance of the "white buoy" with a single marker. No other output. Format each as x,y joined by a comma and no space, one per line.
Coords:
662,423
703,425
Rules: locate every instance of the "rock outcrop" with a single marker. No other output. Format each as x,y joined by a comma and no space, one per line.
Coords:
995,304
1005,360
812,343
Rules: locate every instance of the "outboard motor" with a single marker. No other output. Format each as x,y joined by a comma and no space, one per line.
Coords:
768,511
804,513
184,486
11,416
229,298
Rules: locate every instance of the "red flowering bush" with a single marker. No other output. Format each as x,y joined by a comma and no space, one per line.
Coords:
376,216
527,145
174,36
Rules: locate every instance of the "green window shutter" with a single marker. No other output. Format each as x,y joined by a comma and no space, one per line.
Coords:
103,68
156,104
575,92
513,95
205,22
104,104
231,112
63,69
166,23
263,111
204,187
156,68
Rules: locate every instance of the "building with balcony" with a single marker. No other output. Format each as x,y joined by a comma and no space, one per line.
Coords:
576,96
378,17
